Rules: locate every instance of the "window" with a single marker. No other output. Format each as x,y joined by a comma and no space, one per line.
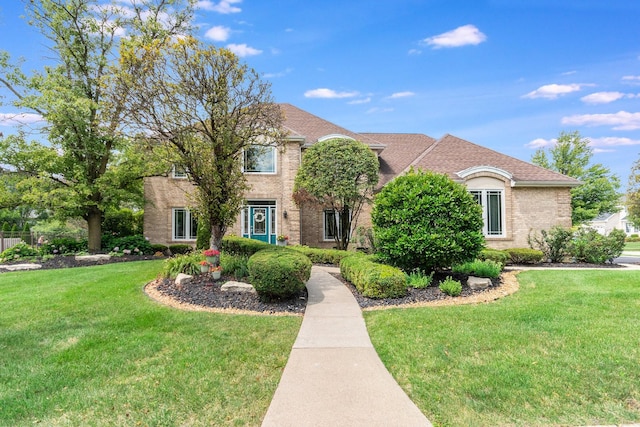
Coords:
260,159
332,224
179,172
185,226
492,211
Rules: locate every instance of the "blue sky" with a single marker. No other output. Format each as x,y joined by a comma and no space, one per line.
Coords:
505,74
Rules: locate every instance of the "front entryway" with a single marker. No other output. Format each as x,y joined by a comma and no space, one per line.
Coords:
259,221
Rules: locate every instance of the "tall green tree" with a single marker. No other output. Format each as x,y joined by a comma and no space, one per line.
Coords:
88,163
202,108
338,174
571,156
633,194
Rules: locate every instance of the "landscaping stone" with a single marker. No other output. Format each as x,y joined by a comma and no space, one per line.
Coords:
19,267
93,258
232,286
183,279
478,283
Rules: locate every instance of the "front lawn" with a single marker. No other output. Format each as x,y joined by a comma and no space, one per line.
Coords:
564,350
85,346
632,246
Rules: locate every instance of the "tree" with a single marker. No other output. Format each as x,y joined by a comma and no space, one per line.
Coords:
203,109
633,194
339,174
88,163
571,156
424,220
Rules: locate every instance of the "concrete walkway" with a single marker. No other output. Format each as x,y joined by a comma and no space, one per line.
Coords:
334,376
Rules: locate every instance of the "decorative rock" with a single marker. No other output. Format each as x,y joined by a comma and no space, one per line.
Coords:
19,267
94,258
183,279
232,286
477,283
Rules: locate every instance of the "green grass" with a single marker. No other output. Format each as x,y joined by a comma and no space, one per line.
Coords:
564,350
85,346
632,246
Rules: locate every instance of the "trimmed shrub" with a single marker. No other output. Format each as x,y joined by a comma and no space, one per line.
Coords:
524,256
64,246
501,257
451,287
490,269
156,247
122,222
425,220
180,249
279,273
418,280
242,246
373,280
322,256
19,251
592,247
554,243
182,263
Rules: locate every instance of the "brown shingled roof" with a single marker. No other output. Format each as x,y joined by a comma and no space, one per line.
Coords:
451,154
401,150
311,127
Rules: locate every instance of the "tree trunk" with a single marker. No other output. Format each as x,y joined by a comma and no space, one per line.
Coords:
94,224
217,233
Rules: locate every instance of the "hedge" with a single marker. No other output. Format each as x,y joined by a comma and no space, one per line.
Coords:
279,273
524,256
242,246
371,279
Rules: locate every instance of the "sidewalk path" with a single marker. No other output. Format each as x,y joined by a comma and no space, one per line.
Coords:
334,376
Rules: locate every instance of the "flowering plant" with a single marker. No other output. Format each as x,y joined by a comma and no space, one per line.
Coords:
282,238
211,252
216,268
205,263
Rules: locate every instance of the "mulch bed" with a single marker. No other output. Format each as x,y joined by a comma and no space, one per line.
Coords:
203,291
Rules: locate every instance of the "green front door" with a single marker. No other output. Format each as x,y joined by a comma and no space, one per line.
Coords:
259,222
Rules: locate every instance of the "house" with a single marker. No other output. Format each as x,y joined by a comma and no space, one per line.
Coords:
608,222
516,196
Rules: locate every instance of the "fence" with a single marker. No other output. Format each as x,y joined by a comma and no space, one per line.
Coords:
9,239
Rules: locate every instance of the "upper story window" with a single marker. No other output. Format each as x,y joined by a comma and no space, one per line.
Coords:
492,211
179,172
259,159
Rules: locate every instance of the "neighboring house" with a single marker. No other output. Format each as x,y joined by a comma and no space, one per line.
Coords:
516,196
605,223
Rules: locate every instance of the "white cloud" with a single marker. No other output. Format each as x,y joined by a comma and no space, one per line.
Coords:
622,120
401,95
15,119
243,50
279,74
218,33
569,73
379,110
634,80
360,101
602,97
461,36
553,91
328,93
613,141
225,6
541,143
414,52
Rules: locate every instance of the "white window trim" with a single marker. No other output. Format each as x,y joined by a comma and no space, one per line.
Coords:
179,175
485,213
188,221
324,226
275,162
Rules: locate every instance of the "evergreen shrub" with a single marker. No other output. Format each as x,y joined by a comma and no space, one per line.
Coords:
278,273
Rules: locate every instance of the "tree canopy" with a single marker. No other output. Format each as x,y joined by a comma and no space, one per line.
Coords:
88,162
338,174
633,194
571,156
202,108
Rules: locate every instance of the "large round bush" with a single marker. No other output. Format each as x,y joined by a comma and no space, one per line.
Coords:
425,220
279,273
